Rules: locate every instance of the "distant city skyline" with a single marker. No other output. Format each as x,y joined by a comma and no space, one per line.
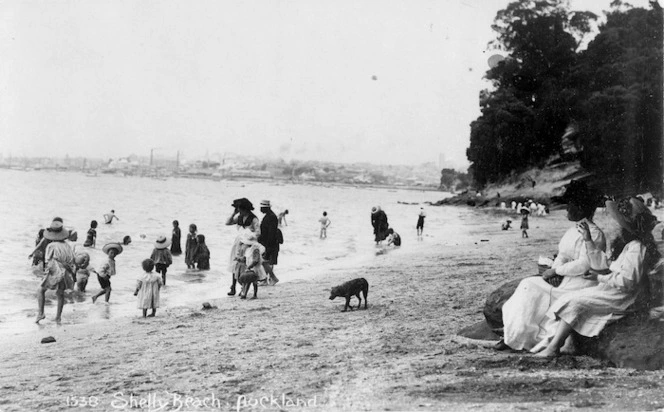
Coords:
384,82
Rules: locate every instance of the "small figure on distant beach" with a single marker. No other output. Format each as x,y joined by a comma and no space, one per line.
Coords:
147,289
524,222
82,260
59,258
393,238
108,217
107,270
420,222
190,247
161,257
91,239
325,222
202,254
506,225
176,250
282,218
379,223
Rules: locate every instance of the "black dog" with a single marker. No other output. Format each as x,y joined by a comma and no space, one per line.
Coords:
350,288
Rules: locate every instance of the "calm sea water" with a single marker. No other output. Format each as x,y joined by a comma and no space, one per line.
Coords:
146,207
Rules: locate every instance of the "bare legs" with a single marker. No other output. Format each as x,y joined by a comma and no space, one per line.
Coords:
41,299
105,291
562,333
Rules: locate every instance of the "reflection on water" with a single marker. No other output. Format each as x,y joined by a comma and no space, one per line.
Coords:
146,208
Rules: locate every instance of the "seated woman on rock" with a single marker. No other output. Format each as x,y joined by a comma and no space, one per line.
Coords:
621,289
524,313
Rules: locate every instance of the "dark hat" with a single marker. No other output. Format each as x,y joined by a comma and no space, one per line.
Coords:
581,194
243,203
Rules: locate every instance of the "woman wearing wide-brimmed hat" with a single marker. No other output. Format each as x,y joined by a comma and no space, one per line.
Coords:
107,270
60,267
243,217
621,289
524,314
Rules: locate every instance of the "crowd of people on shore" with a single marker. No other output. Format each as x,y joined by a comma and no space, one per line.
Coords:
254,254
588,284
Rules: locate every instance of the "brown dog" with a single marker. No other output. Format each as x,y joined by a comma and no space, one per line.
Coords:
350,288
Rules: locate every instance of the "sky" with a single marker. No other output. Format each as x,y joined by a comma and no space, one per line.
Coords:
378,81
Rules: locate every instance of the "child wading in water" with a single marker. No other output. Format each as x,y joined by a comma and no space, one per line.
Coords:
91,240
324,224
82,260
147,289
524,221
161,257
190,247
107,270
202,254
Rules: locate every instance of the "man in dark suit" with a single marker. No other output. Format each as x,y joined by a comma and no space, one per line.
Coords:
269,238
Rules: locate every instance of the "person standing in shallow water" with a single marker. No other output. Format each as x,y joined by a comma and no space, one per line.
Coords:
107,271
108,217
60,266
379,223
161,257
176,250
420,222
190,247
91,240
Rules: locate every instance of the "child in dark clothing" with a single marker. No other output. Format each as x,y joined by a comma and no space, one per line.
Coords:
91,240
161,257
190,247
202,254
524,221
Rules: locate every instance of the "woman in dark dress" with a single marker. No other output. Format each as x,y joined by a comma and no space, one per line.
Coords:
175,240
379,223
190,247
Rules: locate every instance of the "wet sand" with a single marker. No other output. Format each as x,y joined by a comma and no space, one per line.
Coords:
293,346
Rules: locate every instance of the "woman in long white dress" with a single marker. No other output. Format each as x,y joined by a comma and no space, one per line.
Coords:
525,317
621,289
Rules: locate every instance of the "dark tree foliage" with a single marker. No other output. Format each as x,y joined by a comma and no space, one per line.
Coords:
620,110
611,91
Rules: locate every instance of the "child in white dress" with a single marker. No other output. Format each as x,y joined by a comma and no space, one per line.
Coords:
147,289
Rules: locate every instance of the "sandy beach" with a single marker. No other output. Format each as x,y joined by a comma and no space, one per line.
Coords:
293,349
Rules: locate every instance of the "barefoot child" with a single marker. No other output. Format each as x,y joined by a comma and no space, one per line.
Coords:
161,257
147,289
107,270
324,224
82,260
91,240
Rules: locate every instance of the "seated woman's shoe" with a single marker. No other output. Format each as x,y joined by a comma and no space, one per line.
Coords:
501,346
232,292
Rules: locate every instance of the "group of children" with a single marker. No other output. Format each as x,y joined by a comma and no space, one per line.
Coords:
149,284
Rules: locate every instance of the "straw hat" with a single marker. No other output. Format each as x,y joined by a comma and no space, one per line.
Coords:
524,210
632,215
109,246
161,243
56,231
265,203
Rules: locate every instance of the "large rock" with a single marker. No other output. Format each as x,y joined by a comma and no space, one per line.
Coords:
493,308
633,342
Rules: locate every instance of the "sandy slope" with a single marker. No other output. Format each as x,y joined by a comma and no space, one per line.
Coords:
293,344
